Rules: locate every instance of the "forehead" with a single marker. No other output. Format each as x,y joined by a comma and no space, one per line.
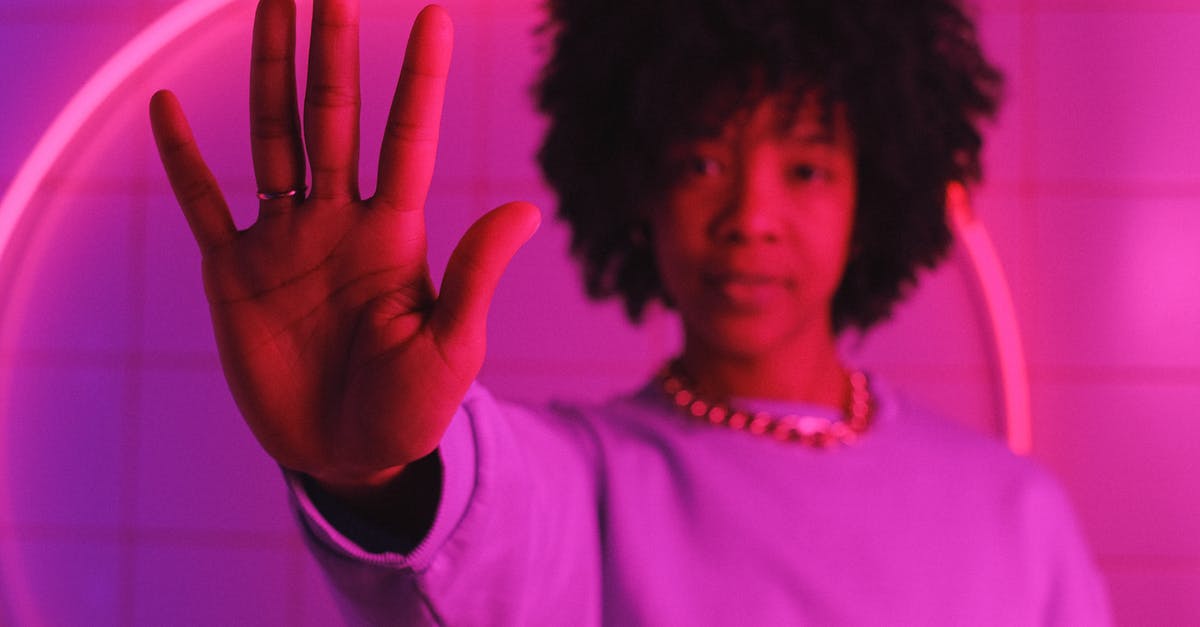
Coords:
810,116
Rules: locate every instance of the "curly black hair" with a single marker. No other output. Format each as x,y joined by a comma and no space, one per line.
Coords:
629,79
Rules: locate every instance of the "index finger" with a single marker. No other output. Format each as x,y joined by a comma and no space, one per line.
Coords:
410,139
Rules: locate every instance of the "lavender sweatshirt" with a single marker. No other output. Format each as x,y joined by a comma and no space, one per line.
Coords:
628,513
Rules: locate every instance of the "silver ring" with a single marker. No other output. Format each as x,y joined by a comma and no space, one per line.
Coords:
287,193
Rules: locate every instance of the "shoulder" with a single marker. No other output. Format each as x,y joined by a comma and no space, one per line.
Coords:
976,465
905,422
979,472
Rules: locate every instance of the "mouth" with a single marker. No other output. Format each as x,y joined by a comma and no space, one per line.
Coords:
746,290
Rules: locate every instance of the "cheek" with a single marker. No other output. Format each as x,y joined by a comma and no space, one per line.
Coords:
827,243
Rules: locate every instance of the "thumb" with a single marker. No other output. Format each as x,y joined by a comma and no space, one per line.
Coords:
474,271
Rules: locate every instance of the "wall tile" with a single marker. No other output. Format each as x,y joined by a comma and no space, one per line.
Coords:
383,36
1127,453
1117,282
449,212
1117,97
943,322
539,311
207,70
182,585
1151,597
1109,6
41,84
67,582
76,283
113,151
199,467
63,444
971,398
1000,32
513,130
1011,223
175,311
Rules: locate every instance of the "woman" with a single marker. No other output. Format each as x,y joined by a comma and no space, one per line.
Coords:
775,173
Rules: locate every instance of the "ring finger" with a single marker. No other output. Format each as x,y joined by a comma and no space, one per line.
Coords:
275,140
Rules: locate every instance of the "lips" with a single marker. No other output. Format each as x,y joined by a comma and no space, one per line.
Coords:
741,289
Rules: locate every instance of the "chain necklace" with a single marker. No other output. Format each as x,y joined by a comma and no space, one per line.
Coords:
813,431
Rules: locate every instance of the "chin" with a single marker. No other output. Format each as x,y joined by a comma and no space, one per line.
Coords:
745,339
745,335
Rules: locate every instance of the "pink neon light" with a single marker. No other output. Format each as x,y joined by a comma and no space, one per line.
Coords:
81,107
33,171
1010,352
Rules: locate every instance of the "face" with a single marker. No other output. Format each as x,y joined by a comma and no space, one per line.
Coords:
753,237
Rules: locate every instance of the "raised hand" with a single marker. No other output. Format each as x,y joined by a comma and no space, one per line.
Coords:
345,361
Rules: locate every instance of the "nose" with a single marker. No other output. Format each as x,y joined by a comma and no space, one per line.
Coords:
752,207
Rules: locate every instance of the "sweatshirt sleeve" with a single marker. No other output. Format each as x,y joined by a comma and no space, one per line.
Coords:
1076,593
515,540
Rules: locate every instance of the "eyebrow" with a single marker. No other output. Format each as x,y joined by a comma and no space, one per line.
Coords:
807,129
806,126
822,136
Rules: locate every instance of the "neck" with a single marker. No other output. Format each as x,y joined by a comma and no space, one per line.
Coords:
808,371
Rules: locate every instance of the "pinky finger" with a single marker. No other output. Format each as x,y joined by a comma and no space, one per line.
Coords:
194,185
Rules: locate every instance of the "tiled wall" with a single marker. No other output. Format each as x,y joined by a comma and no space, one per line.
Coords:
133,495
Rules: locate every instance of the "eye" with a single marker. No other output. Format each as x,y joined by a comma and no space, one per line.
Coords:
701,166
806,172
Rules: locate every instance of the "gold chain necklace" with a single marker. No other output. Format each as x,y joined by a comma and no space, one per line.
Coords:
814,431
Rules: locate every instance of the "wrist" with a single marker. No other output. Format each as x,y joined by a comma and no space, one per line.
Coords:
402,501
353,487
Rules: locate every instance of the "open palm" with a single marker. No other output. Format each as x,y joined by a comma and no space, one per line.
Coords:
344,359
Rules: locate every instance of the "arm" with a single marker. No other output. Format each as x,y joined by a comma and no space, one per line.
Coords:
515,539
1074,588
350,368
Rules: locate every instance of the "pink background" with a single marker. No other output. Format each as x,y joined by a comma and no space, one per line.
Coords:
133,495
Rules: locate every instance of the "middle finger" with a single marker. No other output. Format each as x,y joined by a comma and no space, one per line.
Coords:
332,101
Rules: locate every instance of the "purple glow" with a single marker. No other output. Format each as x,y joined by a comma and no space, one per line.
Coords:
132,467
